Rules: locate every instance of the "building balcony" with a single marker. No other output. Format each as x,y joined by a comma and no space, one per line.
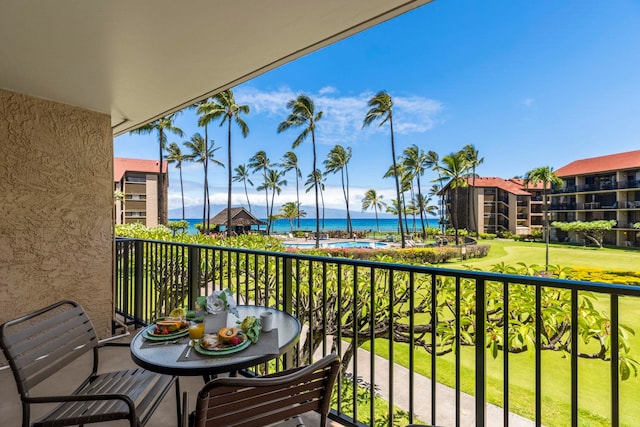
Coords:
329,296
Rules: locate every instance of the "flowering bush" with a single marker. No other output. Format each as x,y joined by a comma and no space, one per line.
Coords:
218,301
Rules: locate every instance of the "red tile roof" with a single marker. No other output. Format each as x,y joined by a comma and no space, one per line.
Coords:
611,162
510,185
122,165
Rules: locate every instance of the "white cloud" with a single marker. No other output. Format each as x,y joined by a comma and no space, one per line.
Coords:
528,102
327,90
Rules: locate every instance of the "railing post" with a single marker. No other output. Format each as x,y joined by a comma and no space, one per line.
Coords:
137,282
287,302
481,314
193,285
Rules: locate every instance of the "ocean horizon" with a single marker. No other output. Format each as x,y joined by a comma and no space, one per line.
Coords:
280,226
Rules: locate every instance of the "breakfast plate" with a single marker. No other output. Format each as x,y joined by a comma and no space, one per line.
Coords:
179,333
222,350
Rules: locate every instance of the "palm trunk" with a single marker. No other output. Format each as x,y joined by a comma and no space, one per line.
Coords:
205,161
246,193
395,173
546,228
229,178
316,183
298,196
420,206
182,192
349,223
161,219
266,200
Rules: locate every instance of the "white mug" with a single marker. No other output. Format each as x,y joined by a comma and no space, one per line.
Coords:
266,317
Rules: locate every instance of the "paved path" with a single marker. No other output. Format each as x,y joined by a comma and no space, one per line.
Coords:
422,395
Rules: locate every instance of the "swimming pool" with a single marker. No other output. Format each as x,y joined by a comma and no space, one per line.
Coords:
338,245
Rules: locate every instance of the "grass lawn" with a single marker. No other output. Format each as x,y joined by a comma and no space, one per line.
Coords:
594,375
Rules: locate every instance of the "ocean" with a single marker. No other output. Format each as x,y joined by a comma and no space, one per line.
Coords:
387,225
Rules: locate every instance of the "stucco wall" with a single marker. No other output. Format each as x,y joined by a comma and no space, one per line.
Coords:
56,207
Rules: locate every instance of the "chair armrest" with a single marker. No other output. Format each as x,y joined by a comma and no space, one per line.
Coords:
83,398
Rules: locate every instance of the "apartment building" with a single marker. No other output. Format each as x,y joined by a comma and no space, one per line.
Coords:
138,184
600,188
495,205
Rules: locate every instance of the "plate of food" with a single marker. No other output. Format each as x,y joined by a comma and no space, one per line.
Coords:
168,329
227,341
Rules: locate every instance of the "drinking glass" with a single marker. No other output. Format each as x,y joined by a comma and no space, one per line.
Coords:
196,331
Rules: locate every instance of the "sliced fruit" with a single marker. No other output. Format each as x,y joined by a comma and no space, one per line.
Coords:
226,334
177,312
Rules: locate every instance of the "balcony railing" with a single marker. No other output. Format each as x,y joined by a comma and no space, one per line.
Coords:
428,314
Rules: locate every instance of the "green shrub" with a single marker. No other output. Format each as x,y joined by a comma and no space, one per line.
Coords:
487,236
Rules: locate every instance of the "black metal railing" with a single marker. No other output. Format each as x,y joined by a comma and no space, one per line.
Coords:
359,308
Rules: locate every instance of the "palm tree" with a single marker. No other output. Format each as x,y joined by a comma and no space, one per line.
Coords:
303,114
274,183
290,162
313,180
381,108
433,162
202,153
291,211
548,178
415,162
242,175
224,107
473,162
175,155
373,200
338,161
162,126
260,162
454,167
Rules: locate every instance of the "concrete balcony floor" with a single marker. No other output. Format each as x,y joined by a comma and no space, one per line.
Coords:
111,359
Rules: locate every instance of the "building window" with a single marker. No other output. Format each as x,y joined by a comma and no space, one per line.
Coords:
135,214
133,177
136,197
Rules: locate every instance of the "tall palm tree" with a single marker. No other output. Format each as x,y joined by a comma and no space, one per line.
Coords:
373,200
303,114
174,155
290,162
433,162
415,162
242,175
381,108
201,152
260,162
473,161
313,180
273,182
454,167
224,108
547,177
162,126
338,161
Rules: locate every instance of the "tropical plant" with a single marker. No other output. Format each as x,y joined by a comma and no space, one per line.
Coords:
433,162
547,177
591,230
201,152
162,126
290,162
224,108
303,114
636,225
373,200
260,162
454,167
338,161
174,155
176,226
381,108
473,161
273,182
242,175
291,211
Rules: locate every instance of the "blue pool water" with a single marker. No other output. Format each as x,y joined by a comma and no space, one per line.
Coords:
338,245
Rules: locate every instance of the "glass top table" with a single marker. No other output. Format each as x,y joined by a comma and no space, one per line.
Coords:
164,358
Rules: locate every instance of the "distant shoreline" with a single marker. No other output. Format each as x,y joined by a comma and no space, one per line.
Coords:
387,225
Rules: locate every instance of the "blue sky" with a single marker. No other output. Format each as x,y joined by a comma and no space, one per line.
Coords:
527,83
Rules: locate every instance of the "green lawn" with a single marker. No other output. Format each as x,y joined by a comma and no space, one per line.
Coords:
594,390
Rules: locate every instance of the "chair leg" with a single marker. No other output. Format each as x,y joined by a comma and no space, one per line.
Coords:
178,409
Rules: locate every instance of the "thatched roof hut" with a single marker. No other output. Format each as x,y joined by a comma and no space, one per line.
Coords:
241,220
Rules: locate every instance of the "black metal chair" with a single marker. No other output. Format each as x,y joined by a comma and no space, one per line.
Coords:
41,343
259,401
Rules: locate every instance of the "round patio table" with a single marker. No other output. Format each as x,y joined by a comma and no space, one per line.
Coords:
164,358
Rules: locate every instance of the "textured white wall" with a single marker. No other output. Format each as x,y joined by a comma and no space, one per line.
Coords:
56,207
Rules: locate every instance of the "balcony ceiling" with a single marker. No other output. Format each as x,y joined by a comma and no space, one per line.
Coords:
140,60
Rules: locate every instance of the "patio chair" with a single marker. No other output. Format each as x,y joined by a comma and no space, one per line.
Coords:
40,344
259,401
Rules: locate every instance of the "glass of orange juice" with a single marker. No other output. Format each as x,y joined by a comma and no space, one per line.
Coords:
196,331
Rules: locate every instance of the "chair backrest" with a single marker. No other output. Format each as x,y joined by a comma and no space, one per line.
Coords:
41,343
268,399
